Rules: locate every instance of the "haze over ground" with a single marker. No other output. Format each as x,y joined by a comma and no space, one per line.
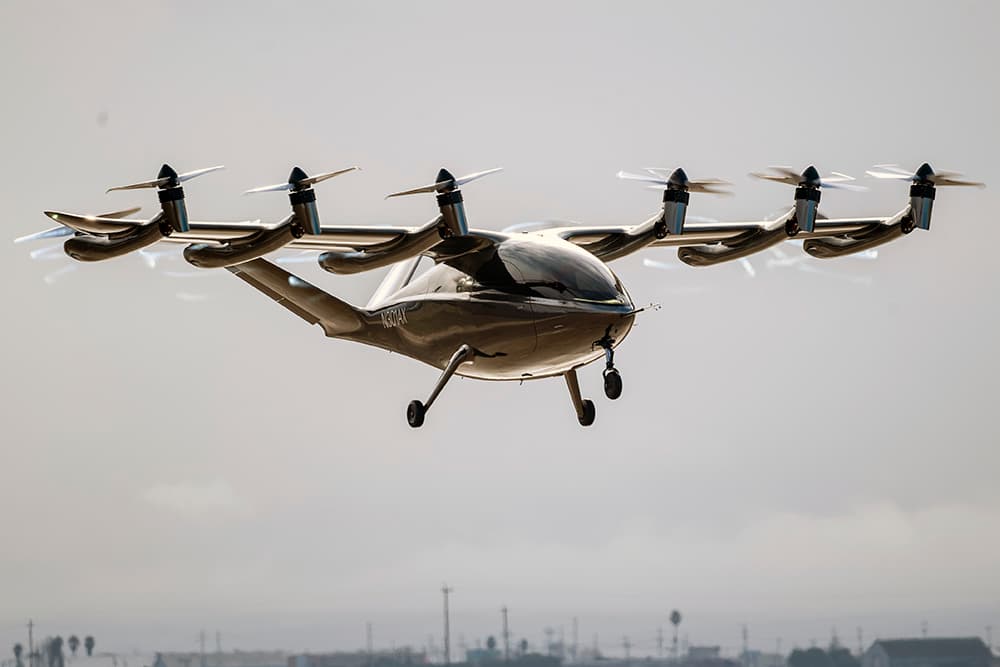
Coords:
794,451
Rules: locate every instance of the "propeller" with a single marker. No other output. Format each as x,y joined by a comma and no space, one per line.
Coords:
298,180
924,175
449,199
167,178
303,197
171,195
446,182
809,177
660,179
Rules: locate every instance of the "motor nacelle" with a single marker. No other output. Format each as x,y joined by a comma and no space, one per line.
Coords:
675,205
806,207
921,204
244,249
86,248
406,245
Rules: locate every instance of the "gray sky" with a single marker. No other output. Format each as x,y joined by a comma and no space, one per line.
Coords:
796,451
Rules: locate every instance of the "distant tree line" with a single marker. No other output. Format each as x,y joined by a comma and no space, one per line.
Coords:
49,652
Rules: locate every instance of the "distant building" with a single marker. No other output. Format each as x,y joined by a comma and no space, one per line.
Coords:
941,652
404,656
706,656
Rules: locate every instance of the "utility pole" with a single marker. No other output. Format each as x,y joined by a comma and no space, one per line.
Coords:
675,620
627,645
923,629
447,629
548,640
201,651
31,643
659,642
746,646
576,638
506,635
861,642
369,644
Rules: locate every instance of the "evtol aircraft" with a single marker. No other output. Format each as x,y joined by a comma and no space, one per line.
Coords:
530,302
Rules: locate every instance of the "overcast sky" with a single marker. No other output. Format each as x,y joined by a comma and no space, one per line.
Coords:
815,446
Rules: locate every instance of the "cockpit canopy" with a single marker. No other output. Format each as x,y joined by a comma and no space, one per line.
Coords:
531,267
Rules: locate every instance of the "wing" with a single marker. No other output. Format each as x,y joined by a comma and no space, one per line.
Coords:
707,243
344,249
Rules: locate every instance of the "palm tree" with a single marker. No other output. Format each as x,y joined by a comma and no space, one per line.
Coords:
524,647
18,649
88,643
491,643
74,643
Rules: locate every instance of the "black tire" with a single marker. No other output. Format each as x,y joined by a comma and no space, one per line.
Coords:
415,412
589,412
612,384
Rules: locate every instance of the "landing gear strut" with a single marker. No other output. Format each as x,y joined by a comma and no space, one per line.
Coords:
612,378
585,411
416,410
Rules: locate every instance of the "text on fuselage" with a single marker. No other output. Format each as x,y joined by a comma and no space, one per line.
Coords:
393,317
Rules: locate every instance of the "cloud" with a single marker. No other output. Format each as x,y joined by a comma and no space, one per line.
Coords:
192,498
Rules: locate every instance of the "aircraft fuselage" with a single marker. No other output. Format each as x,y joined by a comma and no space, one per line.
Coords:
529,307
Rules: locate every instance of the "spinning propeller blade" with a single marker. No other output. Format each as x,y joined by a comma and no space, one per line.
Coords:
446,182
809,177
659,178
299,180
167,178
924,174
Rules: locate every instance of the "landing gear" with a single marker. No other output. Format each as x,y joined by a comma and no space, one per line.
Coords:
416,410
612,383
612,378
585,411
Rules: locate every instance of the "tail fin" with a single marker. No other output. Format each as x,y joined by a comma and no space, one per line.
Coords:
308,302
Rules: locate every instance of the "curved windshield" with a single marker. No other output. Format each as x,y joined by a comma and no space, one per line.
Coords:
562,270
529,268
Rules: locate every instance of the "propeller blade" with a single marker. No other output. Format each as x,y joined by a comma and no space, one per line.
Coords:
836,185
270,188
155,183
166,176
187,176
434,187
947,180
889,175
468,178
655,180
923,175
319,178
54,232
445,182
788,176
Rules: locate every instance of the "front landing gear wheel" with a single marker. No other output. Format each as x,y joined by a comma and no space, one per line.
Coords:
415,414
589,412
612,384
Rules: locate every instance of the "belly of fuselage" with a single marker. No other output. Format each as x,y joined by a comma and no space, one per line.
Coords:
514,338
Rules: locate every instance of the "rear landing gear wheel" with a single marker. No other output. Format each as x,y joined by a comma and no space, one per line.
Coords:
589,412
415,414
612,384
